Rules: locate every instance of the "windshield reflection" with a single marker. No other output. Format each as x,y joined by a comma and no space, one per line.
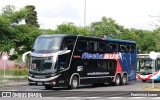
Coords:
42,64
47,43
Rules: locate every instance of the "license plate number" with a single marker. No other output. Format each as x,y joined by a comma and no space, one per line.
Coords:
39,83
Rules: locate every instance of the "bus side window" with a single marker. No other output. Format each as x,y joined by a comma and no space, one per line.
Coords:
132,49
111,65
102,66
82,46
128,47
123,49
92,46
68,44
112,47
102,47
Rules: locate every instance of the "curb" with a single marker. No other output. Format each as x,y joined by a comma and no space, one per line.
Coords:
13,84
152,89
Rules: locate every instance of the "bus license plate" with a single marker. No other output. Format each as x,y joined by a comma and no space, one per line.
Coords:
39,83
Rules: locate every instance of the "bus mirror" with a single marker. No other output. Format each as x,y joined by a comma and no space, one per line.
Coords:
138,50
24,56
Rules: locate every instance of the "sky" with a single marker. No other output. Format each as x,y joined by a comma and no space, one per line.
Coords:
138,14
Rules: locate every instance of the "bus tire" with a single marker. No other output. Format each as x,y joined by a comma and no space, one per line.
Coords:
48,87
117,80
124,80
74,83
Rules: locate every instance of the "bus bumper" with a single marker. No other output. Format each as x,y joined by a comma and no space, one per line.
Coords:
52,83
43,82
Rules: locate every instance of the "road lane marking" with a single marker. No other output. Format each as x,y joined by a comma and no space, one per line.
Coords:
156,98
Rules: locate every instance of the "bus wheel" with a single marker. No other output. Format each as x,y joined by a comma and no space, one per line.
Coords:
143,80
117,80
74,82
48,87
124,80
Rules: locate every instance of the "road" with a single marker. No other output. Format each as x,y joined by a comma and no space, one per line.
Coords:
90,92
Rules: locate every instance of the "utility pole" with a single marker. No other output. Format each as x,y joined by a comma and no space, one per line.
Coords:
84,13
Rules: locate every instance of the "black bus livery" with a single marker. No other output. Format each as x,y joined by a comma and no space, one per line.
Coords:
70,60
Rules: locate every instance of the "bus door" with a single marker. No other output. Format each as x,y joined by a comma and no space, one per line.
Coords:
64,59
80,64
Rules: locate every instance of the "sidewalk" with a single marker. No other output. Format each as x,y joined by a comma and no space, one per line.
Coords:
152,89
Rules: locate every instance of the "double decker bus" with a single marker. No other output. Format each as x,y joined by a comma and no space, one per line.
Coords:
71,60
148,69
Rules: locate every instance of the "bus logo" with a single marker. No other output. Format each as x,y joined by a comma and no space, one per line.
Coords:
100,56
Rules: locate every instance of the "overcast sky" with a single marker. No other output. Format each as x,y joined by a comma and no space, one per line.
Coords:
128,13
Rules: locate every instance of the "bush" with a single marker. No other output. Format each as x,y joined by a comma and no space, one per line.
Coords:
21,72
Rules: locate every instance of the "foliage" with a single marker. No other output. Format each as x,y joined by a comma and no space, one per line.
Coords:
21,72
157,38
31,17
20,36
13,33
106,27
70,28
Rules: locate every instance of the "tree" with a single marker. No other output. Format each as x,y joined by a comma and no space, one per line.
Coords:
31,17
127,35
146,41
14,34
70,28
157,38
106,27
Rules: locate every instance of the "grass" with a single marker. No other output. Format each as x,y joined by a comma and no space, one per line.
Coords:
15,72
16,75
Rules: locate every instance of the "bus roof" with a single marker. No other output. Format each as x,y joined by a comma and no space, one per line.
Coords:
60,35
117,40
105,39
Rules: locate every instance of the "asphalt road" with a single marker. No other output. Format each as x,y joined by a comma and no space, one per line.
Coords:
134,90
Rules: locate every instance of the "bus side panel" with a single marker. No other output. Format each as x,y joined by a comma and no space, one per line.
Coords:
133,65
128,64
94,70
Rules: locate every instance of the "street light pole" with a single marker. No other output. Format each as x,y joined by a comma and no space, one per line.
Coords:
153,70
4,63
4,67
153,56
84,13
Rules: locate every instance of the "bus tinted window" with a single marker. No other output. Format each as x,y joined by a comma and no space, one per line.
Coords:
82,46
132,49
102,66
111,65
92,46
123,49
102,47
112,47
68,44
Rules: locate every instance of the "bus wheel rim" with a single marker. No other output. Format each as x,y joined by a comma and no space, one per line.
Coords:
124,80
75,83
117,80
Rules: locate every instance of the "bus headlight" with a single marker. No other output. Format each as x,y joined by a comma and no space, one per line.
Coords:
31,75
53,82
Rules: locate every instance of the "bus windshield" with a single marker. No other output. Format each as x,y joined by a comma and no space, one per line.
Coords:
44,64
47,43
145,65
